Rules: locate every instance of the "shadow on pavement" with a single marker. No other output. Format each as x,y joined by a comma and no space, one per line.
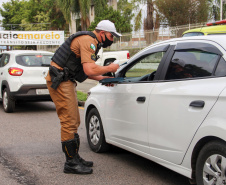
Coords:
33,107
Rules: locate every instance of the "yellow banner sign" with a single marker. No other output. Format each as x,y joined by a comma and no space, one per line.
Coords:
31,37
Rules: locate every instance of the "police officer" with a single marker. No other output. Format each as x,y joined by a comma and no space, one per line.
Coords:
74,61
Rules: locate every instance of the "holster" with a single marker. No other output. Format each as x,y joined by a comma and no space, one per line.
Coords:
57,76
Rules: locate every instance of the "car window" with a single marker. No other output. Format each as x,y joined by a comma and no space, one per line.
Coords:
221,68
4,60
34,60
146,65
0,59
193,34
191,64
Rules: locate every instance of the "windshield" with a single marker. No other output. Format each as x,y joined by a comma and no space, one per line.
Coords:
34,60
193,34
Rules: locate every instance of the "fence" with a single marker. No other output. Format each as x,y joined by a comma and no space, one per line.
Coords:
136,41
142,39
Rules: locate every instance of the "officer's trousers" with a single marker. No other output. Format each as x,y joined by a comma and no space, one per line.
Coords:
65,100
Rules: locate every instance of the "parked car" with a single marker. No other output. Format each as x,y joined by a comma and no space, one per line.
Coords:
167,104
213,28
22,75
107,58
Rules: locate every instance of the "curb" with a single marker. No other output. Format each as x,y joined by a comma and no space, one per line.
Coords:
81,103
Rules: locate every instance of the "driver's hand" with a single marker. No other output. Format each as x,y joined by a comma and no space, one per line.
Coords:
113,67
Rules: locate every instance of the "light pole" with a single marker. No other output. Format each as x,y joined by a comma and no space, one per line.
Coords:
221,9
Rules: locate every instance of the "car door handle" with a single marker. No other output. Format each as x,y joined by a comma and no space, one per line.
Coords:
197,103
141,99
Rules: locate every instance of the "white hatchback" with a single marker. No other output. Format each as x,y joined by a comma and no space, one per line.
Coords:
22,77
167,104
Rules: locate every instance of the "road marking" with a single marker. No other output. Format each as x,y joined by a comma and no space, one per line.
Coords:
81,108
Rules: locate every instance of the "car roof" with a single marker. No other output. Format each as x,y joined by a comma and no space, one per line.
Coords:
17,52
209,29
220,39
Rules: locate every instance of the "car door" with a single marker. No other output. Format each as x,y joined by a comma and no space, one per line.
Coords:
179,103
127,102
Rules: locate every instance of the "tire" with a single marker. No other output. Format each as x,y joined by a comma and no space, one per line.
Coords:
7,102
210,164
108,62
95,132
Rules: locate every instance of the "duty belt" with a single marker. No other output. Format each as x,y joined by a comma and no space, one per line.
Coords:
58,76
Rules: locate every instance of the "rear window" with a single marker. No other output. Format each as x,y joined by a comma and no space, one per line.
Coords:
34,60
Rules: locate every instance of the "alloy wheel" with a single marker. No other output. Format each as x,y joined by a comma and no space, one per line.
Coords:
214,170
94,129
5,100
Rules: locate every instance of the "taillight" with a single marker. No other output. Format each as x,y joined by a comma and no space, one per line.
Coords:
128,56
15,71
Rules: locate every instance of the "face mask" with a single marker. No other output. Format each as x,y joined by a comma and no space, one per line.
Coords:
107,42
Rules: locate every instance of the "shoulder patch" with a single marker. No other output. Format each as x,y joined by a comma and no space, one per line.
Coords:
93,47
93,57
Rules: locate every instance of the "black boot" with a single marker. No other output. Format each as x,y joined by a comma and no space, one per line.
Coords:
73,164
85,163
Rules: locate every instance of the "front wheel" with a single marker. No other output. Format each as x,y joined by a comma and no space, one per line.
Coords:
211,164
95,132
7,101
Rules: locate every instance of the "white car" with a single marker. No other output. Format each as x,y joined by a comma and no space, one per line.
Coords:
167,104
22,77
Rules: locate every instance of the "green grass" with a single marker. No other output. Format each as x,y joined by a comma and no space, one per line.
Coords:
138,72
81,96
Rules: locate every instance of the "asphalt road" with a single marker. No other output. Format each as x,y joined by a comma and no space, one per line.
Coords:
86,85
30,153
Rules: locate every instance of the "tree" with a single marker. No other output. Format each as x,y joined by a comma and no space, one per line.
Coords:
45,12
180,12
151,20
126,9
215,9
99,6
77,7
121,23
28,14
12,13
